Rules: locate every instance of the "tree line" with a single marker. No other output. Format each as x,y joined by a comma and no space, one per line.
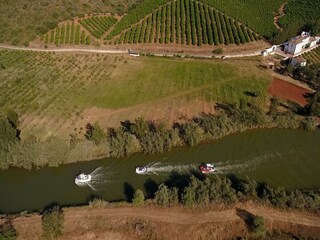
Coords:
202,191
149,137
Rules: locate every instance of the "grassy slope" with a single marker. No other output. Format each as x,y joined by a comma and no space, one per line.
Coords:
49,90
22,20
151,79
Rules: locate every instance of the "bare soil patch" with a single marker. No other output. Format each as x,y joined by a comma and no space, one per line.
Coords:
170,223
289,91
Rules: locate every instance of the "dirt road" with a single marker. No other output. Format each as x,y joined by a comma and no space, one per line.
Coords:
123,221
124,51
89,50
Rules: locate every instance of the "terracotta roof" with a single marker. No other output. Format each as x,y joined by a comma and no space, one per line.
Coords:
298,40
299,59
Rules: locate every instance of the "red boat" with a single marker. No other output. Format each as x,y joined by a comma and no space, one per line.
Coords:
207,168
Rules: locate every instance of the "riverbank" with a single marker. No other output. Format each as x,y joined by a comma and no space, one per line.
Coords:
128,222
149,137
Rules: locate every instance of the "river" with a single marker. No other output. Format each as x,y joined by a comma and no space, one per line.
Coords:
289,158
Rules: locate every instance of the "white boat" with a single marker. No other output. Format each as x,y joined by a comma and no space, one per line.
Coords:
141,170
207,168
82,178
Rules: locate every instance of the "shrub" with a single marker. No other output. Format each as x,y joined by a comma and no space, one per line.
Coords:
7,231
162,195
52,223
138,198
217,51
95,133
258,226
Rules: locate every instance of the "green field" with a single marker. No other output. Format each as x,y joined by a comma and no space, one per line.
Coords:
50,89
255,14
67,33
186,22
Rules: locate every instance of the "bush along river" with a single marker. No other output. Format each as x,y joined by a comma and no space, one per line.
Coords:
288,158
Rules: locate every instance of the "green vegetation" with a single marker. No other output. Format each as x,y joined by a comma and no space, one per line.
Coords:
137,13
52,223
313,57
258,226
55,88
300,15
138,198
98,25
63,34
7,231
22,20
196,21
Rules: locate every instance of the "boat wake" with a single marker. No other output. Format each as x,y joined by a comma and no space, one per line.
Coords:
100,177
158,167
247,164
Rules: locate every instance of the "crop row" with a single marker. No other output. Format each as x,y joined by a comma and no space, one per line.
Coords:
313,56
68,33
98,25
187,22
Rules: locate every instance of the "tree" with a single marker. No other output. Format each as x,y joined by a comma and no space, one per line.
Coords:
7,131
313,108
162,195
13,118
188,197
52,223
7,231
95,133
138,198
258,226
192,134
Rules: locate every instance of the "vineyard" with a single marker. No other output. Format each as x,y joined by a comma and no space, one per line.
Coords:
50,91
313,57
67,33
43,86
84,31
98,25
300,14
184,22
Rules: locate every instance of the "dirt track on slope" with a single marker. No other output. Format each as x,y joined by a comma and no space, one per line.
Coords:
174,223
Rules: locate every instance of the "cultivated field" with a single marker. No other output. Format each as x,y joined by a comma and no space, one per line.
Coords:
57,93
313,57
186,22
298,14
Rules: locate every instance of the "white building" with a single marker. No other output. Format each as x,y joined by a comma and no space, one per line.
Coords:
298,62
300,43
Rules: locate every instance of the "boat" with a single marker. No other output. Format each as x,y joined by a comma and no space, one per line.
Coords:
207,168
82,178
141,169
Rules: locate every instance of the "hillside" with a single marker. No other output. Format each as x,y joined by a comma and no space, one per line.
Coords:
185,22
299,15
22,20
51,91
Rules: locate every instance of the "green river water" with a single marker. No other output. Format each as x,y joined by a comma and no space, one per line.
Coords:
289,158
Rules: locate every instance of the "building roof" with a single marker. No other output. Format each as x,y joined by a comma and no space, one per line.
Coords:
299,59
298,39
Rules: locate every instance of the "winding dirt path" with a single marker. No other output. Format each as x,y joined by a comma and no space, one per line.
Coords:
280,14
82,217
